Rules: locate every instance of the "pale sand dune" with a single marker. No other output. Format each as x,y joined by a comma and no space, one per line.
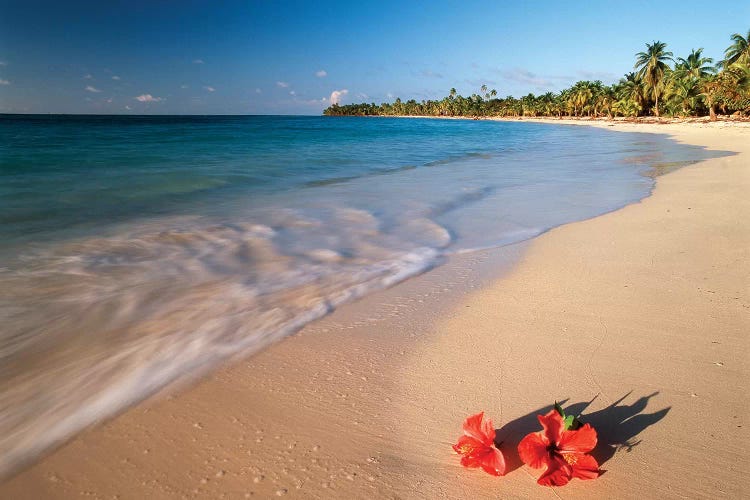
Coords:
650,304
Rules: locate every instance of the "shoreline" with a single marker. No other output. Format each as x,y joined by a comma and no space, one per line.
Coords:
724,121
220,436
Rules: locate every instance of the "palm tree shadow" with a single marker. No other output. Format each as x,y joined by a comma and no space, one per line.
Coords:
617,427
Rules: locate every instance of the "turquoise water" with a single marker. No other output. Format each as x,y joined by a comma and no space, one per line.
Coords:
139,249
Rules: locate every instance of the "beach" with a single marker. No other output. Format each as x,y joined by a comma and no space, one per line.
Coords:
638,318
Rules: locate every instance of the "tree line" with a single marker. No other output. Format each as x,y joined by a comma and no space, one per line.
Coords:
659,85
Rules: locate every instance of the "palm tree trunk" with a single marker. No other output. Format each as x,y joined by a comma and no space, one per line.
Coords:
711,107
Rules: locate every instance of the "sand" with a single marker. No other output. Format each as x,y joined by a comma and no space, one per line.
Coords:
644,313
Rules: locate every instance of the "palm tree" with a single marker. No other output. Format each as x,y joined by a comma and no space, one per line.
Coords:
630,95
738,52
683,92
711,90
605,100
547,103
652,66
581,93
528,105
482,94
566,101
626,107
694,65
596,101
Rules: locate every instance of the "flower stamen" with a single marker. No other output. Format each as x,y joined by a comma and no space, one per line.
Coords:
467,448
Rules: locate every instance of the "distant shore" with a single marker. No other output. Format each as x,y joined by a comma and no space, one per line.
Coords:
643,120
643,312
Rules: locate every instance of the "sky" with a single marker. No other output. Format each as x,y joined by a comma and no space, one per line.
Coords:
285,57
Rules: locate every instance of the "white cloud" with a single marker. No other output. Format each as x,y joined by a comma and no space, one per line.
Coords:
108,100
321,74
184,87
526,77
147,98
283,85
430,74
198,61
128,107
209,88
258,91
292,92
92,89
3,63
87,76
336,96
4,82
115,77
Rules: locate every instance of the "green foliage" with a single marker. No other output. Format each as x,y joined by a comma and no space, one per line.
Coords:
691,87
738,52
571,421
653,69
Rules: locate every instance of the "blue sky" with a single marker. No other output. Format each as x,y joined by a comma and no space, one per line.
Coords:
275,57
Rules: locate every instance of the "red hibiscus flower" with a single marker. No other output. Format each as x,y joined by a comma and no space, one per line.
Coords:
560,450
477,448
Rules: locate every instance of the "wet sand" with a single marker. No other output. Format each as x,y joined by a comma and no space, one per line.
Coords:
644,313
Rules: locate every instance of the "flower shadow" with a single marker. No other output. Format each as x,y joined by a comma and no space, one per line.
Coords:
617,427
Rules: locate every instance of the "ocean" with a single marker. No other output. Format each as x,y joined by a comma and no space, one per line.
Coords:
136,250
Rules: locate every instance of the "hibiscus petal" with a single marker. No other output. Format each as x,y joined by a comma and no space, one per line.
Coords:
493,462
533,450
586,467
488,432
467,445
553,425
558,473
581,441
471,460
473,426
